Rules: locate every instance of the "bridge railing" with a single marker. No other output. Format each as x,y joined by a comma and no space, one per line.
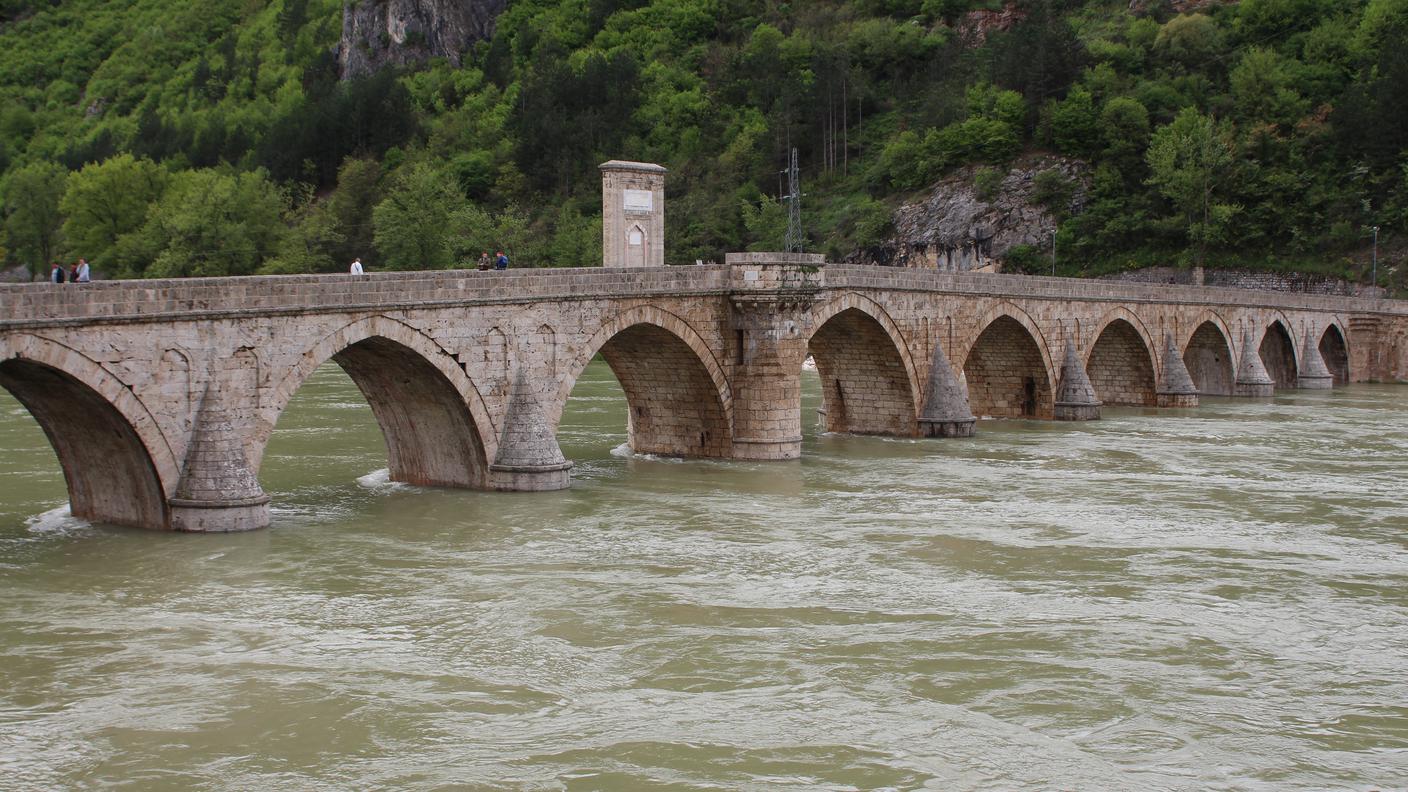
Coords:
841,276
147,299
38,304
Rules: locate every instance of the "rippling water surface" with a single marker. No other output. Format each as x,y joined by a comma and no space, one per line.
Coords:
1209,599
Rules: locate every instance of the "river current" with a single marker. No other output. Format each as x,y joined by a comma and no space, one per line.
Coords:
1180,600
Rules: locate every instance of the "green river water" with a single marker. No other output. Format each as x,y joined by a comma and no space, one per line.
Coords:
1180,600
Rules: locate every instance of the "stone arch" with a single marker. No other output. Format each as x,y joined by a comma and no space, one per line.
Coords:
1208,356
1121,363
117,464
1008,367
869,383
1278,353
1334,350
679,402
436,428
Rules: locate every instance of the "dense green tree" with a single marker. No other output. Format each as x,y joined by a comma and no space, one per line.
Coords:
1190,40
1187,162
416,224
214,222
33,221
105,201
1124,129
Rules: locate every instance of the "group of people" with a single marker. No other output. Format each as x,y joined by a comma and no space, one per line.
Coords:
77,272
499,262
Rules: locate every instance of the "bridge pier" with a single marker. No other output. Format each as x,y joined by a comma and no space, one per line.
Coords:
529,458
1252,379
1075,400
946,412
1176,388
1313,374
769,293
218,492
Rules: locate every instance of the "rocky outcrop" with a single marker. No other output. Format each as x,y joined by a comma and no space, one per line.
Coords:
377,33
975,26
957,229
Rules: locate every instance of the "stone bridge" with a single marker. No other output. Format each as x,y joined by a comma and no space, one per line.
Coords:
160,396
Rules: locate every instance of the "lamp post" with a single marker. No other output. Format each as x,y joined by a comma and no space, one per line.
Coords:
1375,281
1053,252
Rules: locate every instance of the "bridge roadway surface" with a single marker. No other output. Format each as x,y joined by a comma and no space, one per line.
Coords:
159,396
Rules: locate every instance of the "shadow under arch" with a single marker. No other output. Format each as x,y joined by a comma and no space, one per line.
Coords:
678,401
868,381
117,465
1121,364
1008,368
431,416
1208,358
1278,354
1334,350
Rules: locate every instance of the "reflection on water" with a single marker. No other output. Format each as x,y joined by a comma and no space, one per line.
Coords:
1207,599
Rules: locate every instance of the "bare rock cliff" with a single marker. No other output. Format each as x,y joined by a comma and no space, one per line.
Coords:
958,227
377,33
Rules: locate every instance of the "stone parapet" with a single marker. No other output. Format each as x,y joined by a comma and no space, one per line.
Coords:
40,304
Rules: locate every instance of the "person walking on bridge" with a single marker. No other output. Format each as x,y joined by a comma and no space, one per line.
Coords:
501,261
81,273
356,268
56,273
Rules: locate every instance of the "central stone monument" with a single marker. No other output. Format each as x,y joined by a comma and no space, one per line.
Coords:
632,214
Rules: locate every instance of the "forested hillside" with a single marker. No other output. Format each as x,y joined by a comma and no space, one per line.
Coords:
166,138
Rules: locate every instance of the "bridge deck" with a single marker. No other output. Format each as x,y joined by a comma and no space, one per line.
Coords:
44,304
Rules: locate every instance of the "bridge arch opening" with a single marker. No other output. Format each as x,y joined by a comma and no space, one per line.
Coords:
674,402
108,470
1006,373
865,385
1121,367
1278,354
430,436
1208,358
1335,352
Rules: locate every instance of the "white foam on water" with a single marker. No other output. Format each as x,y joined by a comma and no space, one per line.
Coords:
380,480
624,451
56,521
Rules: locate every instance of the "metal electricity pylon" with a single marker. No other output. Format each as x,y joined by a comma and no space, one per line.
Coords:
794,240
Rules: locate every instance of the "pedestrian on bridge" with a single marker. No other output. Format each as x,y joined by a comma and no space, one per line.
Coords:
484,263
501,261
81,273
356,266
56,273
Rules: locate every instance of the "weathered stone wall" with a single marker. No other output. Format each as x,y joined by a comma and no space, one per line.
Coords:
1247,279
468,372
